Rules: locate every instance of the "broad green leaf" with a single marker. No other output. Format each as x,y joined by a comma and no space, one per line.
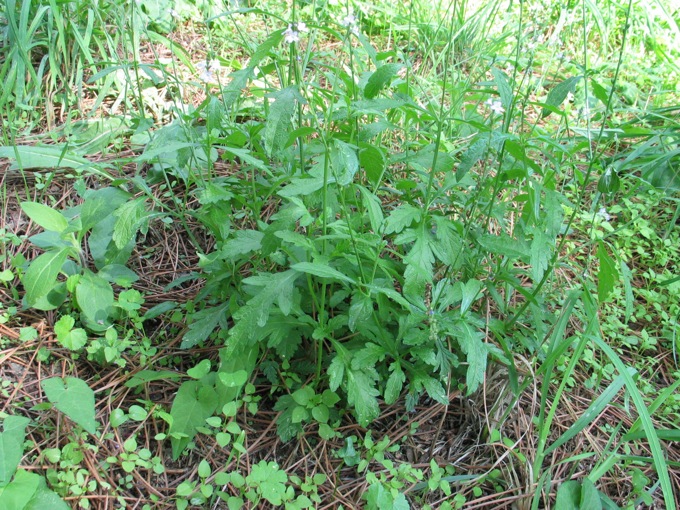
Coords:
609,181
505,245
402,217
420,258
118,274
374,209
45,216
303,395
233,380
28,156
28,491
95,299
244,241
503,86
559,93
344,161
372,160
279,120
574,495
380,78
360,310
321,270
72,339
301,186
11,446
569,496
147,376
129,218
200,370
470,291
607,276
41,275
74,398
471,341
246,156
193,404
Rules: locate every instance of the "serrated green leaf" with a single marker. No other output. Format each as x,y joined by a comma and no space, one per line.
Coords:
129,218
244,241
395,383
372,160
254,314
360,310
336,373
607,275
279,120
472,155
41,276
361,394
402,217
74,398
380,78
471,342
559,93
100,204
541,253
46,217
11,446
374,209
469,291
193,404
503,86
505,245
203,325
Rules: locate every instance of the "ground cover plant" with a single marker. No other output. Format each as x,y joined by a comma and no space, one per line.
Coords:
339,255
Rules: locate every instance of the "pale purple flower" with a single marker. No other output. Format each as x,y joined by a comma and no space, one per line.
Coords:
603,214
207,68
292,34
351,22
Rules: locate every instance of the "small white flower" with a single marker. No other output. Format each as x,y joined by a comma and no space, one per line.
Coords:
173,13
495,106
206,69
603,214
349,20
570,97
302,27
291,35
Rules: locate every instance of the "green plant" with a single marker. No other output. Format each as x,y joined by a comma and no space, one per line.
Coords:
21,489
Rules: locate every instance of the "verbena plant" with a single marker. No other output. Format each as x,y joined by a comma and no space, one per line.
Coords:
385,230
